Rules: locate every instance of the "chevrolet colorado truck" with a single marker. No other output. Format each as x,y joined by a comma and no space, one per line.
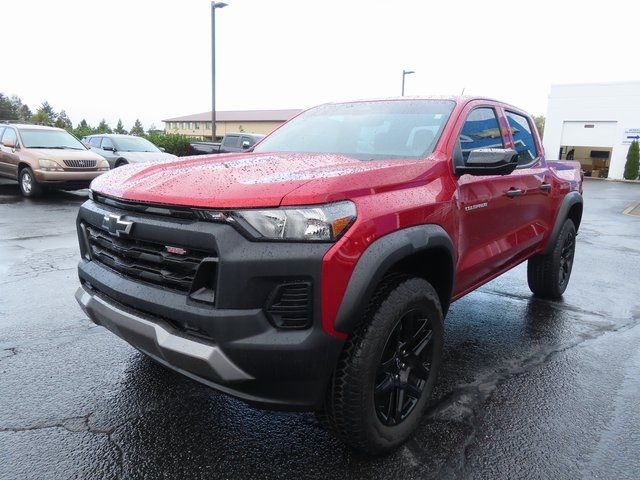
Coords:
315,272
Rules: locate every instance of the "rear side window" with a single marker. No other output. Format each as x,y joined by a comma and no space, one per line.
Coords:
95,141
480,130
523,139
231,141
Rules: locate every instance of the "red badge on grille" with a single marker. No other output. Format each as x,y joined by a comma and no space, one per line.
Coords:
175,250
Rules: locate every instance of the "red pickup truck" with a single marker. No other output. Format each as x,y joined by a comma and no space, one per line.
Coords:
315,271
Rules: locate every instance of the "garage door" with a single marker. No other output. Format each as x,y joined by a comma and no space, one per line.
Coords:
588,134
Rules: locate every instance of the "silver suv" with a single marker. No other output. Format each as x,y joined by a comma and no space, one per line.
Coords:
123,149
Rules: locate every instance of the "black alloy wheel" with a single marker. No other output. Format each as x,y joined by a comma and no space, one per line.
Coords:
404,368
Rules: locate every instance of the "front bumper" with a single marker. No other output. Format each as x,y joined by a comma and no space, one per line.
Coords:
231,345
67,179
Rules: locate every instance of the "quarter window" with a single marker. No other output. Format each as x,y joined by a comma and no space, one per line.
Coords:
481,130
523,139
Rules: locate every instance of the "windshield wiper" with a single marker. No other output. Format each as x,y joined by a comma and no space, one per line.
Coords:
59,148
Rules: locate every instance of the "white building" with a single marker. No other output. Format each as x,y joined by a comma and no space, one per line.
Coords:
593,123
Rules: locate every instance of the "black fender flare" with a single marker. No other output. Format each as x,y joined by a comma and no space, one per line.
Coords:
570,199
376,261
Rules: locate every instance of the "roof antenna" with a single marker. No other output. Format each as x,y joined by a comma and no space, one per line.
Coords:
462,93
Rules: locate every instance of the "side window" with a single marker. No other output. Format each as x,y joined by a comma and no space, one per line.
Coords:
522,138
10,134
480,130
95,142
248,139
106,142
1,130
232,141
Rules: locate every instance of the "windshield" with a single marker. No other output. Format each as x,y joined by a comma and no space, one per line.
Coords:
134,144
37,138
365,130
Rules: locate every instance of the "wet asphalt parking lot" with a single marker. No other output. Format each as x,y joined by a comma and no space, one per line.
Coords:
529,388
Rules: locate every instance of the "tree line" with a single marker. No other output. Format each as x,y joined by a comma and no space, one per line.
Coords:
12,108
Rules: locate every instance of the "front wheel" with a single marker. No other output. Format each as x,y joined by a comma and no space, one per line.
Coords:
548,274
29,186
121,163
386,373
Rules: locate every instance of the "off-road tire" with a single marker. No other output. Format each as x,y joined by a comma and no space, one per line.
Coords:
548,274
29,186
349,410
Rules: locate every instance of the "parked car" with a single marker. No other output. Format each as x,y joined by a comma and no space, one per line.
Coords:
231,143
40,157
124,149
315,272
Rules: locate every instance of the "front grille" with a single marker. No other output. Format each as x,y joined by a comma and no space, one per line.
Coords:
290,305
147,261
80,163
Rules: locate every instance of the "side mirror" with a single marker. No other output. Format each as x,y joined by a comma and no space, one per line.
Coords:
9,143
489,161
162,149
110,149
246,145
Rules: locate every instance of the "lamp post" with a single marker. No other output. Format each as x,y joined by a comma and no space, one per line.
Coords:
404,74
214,5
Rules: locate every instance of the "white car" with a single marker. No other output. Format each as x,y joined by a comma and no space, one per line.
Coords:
123,149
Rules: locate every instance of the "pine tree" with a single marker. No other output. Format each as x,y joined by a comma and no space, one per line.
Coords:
633,162
63,121
24,113
83,129
45,114
119,128
137,129
103,127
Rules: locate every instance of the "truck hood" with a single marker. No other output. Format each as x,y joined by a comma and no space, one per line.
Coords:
254,179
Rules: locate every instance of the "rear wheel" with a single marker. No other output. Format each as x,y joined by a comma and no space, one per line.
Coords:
548,274
386,373
29,186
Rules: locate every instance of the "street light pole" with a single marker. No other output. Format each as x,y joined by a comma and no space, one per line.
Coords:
404,74
214,5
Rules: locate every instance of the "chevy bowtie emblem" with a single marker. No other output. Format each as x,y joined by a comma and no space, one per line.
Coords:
115,226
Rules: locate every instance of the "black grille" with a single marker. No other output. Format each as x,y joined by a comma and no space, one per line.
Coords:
290,306
146,261
80,163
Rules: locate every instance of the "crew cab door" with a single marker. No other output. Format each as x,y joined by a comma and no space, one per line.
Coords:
488,206
532,176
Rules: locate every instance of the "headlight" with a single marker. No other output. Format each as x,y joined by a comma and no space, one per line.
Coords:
49,166
103,165
325,223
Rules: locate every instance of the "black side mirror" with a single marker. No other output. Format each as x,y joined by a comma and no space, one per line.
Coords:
489,161
110,149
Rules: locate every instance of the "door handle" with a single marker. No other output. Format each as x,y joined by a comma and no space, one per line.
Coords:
545,187
514,192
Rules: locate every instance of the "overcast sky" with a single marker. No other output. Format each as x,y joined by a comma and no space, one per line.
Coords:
150,59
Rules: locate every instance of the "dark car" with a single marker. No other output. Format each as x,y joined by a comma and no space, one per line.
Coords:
231,143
